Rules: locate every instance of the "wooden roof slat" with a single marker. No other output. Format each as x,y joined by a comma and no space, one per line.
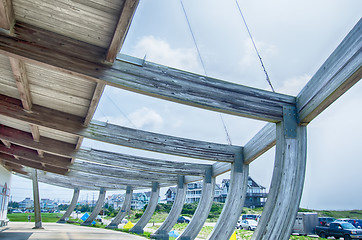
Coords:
154,80
114,134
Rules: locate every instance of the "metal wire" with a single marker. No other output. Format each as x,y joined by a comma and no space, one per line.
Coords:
256,50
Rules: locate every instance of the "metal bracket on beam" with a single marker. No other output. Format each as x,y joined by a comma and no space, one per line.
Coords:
208,175
239,161
181,181
129,189
290,121
154,186
130,59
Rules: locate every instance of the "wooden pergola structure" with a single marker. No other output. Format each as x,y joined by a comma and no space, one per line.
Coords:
57,56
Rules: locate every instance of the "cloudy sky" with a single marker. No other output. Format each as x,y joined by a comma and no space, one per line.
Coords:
294,38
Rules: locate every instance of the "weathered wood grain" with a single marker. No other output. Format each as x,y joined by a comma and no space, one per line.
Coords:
97,208
255,147
37,215
25,139
33,164
142,163
156,80
22,82
152,203
71,207
340,72
202,210
7,18
170,221
114,134
104,180
233,206
126,207
6,143
125,19
286,188
124,173
63,149
32,155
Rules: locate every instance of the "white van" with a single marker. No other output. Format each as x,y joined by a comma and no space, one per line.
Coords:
305,223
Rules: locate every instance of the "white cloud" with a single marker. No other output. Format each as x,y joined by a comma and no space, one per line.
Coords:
294,85
160,51
146,118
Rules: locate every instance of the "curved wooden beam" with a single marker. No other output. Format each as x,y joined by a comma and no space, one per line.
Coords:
97,208
71,207
233,207
286,188
118,135
202,210
165,228
138,227
126,206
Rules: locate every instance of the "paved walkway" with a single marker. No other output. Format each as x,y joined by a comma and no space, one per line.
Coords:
56,231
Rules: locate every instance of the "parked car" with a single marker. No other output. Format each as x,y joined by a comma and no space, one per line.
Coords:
250,216
17,211
338,230
248,224
305,223
183,219
325,221
355,222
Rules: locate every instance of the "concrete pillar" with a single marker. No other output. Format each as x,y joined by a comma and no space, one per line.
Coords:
124,210
286,188
97,208
202,210
233,207
37,214
165,228
138,227
71,207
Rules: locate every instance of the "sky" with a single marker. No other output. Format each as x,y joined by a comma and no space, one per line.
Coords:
294,38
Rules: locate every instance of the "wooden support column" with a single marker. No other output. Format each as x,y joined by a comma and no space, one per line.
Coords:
138,227
286,188
7,18
97,208
124,210
233,207
38,223
71,207
162,232
202,210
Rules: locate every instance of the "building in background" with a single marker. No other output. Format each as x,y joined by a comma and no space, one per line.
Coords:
255,195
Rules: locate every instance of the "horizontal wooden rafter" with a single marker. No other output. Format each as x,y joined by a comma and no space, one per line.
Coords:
33,164
117,172
45,144
32,155
337,74
56,147
150,79
118,135
142,163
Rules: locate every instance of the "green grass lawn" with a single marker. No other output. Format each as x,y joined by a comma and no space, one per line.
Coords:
23,217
